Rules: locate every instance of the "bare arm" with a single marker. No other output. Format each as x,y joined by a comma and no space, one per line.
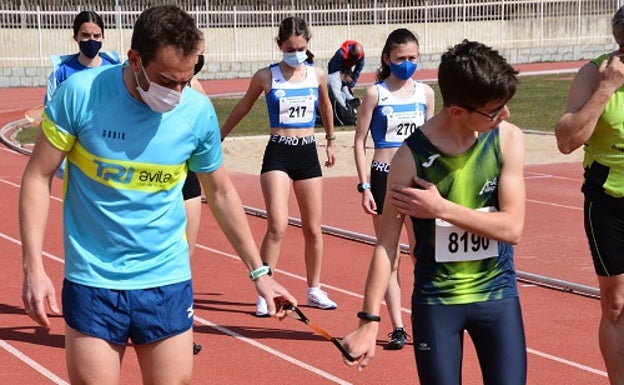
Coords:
34,205
325,108
361,342
365,114
227,209
589,94
430,99
259,83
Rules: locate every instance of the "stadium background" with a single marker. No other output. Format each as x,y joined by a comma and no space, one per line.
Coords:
240,35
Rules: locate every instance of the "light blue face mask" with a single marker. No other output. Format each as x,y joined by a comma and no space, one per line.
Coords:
404,70
295,59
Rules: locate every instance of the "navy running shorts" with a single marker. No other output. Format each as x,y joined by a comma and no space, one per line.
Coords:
497,332
297,157
143,316
191,188
604,227
379,182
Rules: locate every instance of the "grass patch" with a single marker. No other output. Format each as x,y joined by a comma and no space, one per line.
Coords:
538,104
27,134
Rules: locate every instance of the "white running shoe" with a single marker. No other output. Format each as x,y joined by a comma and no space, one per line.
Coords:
261,307
318,298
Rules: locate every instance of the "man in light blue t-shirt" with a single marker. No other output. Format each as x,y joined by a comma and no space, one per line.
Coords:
130,134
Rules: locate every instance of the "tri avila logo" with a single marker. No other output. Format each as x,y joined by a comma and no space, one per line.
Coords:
124,175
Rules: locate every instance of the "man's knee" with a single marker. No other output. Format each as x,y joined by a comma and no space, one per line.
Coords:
612,298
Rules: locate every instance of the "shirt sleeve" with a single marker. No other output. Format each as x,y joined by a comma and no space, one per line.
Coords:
335,63
356,73
208,155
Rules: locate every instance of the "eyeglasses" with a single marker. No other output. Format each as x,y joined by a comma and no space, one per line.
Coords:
299,316
492,115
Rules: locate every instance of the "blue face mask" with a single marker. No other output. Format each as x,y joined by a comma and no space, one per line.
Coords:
90,47
295,59
404,70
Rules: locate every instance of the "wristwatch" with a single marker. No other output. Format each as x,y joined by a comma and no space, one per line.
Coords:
362,186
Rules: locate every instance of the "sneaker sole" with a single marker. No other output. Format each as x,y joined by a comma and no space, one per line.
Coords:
311,304
262,315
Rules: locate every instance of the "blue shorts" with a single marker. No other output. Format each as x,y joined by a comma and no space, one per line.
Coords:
496,330
143,316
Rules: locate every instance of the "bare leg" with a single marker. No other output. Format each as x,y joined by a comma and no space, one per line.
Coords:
92,360
309,193
393,293
611,330
275,189
168,361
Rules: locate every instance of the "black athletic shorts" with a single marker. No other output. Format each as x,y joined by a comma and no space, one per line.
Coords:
297,157
604,227
379,182
192,188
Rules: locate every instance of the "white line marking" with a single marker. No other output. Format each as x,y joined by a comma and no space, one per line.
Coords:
529,350
537,175
274,352
16,185
19,243
33,364
578,208
568,362
347,292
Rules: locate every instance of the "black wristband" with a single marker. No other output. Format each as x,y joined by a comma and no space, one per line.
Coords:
368,317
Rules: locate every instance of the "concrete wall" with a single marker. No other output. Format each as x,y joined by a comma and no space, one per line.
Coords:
239,52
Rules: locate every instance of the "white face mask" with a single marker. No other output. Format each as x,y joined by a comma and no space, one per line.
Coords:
160,99
295,59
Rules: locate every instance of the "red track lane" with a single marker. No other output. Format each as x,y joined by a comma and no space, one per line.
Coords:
239,348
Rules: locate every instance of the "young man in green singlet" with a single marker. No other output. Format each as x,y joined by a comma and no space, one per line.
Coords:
460,177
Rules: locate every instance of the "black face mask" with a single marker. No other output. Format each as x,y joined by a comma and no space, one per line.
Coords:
90,47
199,65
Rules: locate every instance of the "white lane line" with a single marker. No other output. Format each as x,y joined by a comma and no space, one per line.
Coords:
347,292
203,321
568,362
274,352
33,364
552,204
529,350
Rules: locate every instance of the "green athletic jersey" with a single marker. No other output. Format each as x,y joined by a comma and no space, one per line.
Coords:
454,266
604,151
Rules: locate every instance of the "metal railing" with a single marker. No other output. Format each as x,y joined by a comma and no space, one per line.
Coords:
243,31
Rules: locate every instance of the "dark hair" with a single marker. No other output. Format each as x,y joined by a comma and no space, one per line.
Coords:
396,37
296,26
87,17
473,74
164,25
617,26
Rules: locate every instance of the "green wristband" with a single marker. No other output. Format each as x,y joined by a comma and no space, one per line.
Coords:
259,272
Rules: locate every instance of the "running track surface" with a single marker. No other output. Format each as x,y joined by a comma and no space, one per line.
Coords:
239,348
